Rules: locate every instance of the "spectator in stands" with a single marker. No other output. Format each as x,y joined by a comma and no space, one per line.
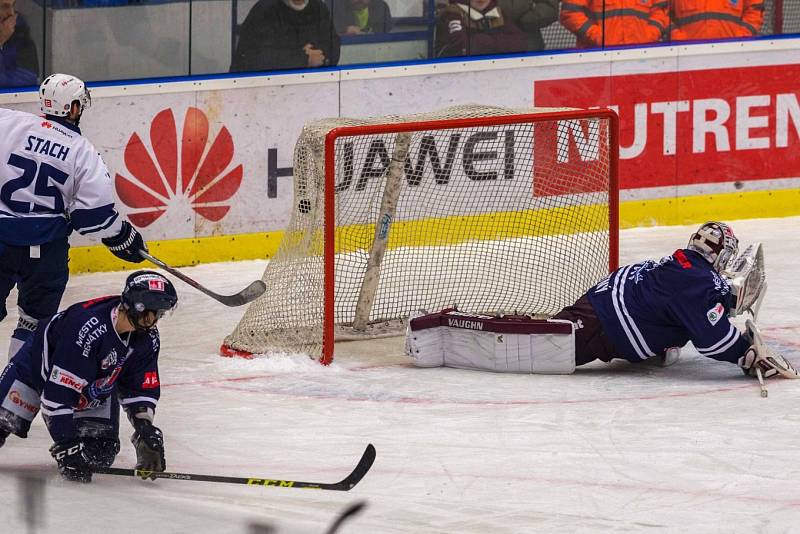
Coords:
286,34
624,22
476,27
531,16
356,17
19,64
715,19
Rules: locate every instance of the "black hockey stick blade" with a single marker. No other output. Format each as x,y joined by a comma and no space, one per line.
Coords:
346,484
248,294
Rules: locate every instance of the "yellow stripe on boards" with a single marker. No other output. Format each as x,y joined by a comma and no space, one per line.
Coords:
442,231
450,230
180,252
701,208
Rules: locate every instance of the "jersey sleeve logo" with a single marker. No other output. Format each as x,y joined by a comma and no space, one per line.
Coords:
150,380
715,314
62,377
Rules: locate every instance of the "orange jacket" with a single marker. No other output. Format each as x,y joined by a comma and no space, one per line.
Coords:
716,19
624,21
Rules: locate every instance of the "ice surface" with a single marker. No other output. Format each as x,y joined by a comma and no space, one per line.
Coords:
616,447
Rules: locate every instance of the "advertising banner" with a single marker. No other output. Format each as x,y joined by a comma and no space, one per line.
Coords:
206,163
696,127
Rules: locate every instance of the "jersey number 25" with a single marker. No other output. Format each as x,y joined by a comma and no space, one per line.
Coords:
40,179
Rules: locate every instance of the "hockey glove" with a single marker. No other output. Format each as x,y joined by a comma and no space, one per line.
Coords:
149,443
127,244
759,356
100,452
72,463
771,364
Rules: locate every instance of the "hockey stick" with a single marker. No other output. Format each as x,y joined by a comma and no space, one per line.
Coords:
248,294
760,375
346,484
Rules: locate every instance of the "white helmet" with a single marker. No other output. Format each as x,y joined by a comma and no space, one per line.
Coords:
59,91
716,242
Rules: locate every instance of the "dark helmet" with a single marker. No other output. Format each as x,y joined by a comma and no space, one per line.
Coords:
147,291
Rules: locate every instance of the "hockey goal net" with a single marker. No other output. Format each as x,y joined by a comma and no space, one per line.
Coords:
486,209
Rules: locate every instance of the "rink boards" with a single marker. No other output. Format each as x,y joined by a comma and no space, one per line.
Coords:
203,167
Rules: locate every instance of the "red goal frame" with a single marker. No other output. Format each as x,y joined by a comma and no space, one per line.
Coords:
329,247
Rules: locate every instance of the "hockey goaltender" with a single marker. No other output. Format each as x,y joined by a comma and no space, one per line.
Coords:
640,311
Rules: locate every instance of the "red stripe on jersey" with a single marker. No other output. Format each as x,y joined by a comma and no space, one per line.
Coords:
92,302
681,258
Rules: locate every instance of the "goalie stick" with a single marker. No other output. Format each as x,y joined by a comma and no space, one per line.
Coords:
345,484
248,294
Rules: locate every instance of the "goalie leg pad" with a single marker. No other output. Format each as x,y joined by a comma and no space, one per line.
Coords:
509,344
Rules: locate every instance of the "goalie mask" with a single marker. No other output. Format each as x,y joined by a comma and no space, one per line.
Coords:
716,242
59,91
147,291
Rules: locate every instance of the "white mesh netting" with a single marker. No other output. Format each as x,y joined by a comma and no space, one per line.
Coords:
489,218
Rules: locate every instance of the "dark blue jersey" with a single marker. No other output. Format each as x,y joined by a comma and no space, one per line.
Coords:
76,360
648,307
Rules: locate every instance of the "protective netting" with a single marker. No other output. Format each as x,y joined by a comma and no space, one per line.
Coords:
489,218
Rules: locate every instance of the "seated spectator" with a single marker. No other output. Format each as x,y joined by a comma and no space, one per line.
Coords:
286,34
624,22
476,27
531,16
716,19
356,17
19,64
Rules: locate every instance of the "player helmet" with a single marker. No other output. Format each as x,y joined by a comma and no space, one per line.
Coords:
59,91
716,242
147,291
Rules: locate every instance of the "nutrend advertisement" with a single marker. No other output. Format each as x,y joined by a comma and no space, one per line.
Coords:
696,127
204,169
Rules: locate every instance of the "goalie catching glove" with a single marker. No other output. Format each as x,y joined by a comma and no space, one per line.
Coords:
759,356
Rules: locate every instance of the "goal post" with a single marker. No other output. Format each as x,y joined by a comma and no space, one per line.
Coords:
486,209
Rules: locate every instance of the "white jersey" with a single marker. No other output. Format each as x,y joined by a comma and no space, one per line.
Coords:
52,181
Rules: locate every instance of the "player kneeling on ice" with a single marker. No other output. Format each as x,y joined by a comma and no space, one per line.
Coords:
639,311
84,362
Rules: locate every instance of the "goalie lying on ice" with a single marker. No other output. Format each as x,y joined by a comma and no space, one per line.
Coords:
639,311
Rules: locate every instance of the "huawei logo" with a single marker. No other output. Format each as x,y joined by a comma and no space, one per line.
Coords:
173,174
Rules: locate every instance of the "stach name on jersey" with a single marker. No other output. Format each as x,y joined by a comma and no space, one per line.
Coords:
47,147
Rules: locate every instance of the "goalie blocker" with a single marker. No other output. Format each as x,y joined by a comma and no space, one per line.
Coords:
506,344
